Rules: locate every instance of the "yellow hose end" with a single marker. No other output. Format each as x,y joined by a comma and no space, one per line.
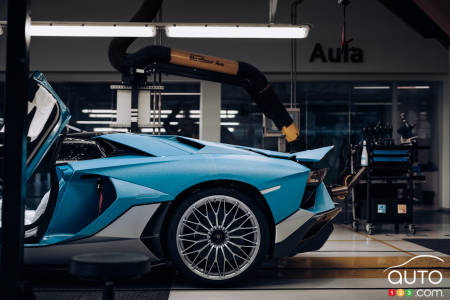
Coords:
291,132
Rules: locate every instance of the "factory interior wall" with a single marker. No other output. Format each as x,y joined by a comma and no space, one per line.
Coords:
390,46
444,129
391,50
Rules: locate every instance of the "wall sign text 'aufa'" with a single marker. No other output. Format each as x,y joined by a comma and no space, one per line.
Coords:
336,55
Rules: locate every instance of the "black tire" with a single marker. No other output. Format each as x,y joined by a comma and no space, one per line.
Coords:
412,229
355,226
370,229
173,244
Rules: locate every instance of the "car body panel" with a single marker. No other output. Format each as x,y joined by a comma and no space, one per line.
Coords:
167,175
120,235
323,200
151,145
58,126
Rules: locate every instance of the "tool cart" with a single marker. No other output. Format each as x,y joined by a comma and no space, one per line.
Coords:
385,194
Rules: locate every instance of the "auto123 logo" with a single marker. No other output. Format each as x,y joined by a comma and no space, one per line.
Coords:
413,279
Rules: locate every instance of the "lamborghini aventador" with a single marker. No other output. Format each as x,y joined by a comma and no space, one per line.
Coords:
215,211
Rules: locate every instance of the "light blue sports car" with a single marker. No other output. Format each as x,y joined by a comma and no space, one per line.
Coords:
215,211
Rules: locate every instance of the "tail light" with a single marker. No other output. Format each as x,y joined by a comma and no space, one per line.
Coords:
316,177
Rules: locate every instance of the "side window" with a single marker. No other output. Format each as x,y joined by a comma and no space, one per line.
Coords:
74,149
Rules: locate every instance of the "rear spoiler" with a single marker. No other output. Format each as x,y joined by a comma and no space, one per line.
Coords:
311,156
314,155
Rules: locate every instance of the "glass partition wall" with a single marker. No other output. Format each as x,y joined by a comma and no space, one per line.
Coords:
93,107
334,113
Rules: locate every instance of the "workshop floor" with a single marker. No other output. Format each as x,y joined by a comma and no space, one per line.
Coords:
350,266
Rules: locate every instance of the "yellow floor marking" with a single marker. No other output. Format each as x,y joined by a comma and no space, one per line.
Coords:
354,267
361,262
360,240
345,273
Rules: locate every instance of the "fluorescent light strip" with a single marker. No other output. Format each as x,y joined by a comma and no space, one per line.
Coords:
180,94
222,111
417,87
186,30
109,129
113,116
221,116
100,111
371,87
162,130
229,112
113,111
237,31
102,116
92,29
230,123
372,103
95,122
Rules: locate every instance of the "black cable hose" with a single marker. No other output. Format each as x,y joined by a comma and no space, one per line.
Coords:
158,58
248,77
118,46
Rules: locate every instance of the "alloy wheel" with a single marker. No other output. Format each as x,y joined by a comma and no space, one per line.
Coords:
218,237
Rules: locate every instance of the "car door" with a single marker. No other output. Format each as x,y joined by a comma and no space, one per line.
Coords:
47,117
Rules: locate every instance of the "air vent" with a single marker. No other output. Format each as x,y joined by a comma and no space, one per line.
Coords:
309,198
189,142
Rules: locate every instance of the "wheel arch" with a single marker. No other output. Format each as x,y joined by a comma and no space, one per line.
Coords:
241,186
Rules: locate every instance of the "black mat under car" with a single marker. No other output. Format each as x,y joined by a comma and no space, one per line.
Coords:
439,245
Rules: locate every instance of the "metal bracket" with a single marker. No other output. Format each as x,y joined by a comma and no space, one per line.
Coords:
149,103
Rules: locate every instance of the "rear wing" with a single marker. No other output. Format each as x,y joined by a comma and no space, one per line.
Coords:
314,155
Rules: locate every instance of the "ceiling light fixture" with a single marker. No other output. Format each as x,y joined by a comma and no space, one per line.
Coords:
185,30
109,129
230,123
371,87
85,122
101,111
94,29
243,31
146,130
417,87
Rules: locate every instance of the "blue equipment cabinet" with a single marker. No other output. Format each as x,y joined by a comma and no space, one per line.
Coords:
385,195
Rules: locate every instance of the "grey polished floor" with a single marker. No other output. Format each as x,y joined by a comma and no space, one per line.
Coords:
349,266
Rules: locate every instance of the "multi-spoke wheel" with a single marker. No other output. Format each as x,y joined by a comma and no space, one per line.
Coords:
217,235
